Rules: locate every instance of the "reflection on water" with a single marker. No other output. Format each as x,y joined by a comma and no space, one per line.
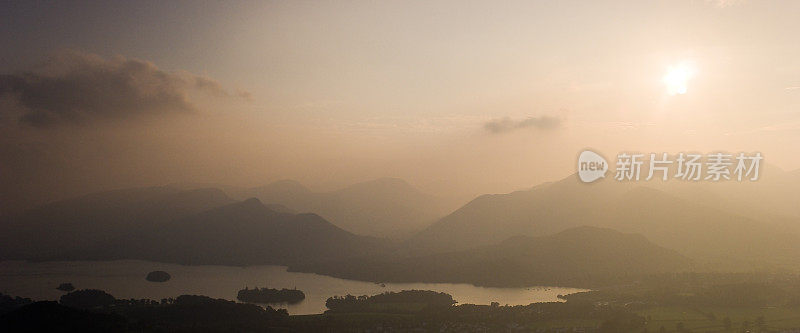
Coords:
126,279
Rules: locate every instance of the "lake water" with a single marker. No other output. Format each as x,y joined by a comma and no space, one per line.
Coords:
126,279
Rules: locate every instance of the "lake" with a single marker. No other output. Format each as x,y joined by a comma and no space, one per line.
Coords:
126,279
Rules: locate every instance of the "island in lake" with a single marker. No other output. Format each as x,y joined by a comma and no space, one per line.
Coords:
158,276
268,295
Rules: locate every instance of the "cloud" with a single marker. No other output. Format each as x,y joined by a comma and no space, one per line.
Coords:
76,87
504,125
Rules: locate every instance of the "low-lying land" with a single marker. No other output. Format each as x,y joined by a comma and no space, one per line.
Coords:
661,303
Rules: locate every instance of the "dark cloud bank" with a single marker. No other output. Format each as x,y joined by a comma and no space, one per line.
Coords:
79,87
504,125
44,156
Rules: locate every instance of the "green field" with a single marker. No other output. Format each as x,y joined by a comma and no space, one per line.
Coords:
710,319
695,319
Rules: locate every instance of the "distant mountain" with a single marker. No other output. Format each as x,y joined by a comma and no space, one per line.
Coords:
247,233
202,226
772,198
582,256
385,207
86,221
693,228
542,210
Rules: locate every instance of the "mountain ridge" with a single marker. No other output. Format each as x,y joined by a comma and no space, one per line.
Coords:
578,257
694,229
382,207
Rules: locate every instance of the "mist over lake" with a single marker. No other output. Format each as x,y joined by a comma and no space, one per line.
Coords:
126,279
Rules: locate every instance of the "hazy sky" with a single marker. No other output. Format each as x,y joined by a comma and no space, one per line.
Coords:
455,97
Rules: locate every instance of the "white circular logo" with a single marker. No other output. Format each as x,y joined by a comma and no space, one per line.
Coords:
591,166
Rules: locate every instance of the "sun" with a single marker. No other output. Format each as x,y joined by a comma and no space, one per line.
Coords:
677,77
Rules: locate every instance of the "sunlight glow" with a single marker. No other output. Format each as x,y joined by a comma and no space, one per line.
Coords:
677,78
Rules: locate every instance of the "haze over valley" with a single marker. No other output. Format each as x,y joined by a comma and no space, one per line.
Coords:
400,166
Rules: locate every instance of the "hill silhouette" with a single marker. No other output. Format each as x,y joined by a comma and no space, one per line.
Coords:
246,233
76,227
581,256
384,207
689,226
187,227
